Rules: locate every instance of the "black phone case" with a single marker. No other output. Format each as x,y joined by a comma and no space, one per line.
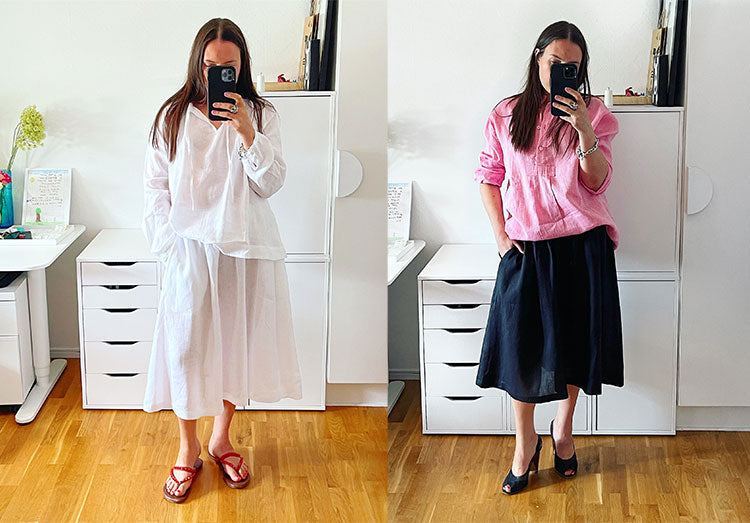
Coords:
558,83
217,84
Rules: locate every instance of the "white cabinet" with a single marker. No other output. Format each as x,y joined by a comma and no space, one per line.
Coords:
118,296
308,284
647,403
643,196
455,290
714,327
302,206
16,368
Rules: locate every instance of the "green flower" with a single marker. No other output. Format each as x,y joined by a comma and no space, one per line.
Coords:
29,132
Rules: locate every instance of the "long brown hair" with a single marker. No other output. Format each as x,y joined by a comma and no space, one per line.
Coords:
526,110
194,89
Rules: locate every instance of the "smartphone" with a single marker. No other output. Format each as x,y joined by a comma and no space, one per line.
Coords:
560,77
221,78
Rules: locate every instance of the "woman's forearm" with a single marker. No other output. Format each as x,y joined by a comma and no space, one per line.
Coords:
493,204
593,168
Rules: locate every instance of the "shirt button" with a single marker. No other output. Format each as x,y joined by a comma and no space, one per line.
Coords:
538,126
540,147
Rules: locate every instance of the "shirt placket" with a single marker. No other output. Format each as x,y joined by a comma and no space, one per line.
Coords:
544,161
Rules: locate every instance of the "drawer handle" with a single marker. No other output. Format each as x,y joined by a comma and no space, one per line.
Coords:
462,364
461,282
462,306
120,310
121,375
119,287
118,264
462,398
120,342
458,331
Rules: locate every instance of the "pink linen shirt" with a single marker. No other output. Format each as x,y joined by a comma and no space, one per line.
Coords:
545,197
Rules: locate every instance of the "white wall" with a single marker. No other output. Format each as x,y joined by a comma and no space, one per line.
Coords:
98,71
449,63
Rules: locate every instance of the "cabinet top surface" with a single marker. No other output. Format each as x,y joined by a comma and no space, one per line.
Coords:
462,262
117,245
643,108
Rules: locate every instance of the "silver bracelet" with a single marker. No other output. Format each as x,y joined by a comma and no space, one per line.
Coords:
242,151
582,154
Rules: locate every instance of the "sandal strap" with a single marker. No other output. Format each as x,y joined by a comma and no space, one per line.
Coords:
226,462
186,478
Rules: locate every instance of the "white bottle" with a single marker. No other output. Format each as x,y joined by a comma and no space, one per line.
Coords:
608,97
260,83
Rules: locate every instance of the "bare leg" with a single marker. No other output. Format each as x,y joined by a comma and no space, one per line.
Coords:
526,437
220,444
190,450
563,426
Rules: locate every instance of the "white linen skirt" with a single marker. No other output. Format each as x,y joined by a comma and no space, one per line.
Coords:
223,332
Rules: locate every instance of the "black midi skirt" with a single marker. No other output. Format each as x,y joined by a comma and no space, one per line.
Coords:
554,319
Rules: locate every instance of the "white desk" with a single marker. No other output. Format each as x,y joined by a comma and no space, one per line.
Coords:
395,268
34,259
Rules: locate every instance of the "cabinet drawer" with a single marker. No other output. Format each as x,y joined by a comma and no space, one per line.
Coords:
443,379
455,316
457,291
120,296
108,389
8,321
453,346
464,414
113,357
119,324
119,273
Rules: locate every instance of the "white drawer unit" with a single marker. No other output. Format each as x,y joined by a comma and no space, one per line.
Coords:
118,296
119,284
16,367
454,290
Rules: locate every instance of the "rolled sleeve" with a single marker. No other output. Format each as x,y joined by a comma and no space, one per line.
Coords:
155,224
491,164
605,128
263,164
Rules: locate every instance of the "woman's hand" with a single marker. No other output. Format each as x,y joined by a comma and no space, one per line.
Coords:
240,120
579,118
506,244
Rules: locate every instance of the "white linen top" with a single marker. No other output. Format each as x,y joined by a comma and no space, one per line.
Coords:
208,193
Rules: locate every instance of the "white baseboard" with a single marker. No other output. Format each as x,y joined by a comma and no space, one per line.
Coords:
357,394
63,352
403,374
713,418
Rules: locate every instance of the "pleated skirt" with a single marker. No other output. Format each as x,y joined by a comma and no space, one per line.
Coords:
554,319
223,331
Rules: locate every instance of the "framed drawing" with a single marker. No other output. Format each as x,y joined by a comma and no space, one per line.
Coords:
46,197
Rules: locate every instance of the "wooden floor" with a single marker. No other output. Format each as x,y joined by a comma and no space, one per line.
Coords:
72,464
693,476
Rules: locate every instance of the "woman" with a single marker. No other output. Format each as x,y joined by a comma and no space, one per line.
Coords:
554,322
223,330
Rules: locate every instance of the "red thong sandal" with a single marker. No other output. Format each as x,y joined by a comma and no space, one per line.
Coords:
193,472
222,460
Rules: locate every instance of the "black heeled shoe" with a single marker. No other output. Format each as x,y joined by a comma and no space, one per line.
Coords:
561,465
518,483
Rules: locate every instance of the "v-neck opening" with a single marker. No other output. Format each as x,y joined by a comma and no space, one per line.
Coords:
206,118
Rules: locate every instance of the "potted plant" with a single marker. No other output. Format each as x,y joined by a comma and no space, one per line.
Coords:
28,134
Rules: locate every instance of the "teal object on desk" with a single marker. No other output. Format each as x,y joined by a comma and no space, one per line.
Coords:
6,199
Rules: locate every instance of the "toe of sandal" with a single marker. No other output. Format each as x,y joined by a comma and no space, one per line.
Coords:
222,460
193,471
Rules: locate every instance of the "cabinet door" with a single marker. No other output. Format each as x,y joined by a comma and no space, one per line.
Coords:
714,326
307,290
647,402
302,205
643,194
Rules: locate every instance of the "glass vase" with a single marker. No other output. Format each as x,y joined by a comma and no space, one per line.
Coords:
6,203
